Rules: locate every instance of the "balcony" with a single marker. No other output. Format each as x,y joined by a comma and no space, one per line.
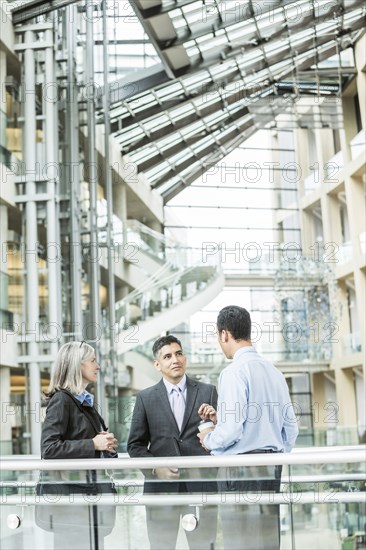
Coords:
321,499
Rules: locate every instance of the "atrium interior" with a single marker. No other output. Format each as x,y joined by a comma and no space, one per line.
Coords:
161,159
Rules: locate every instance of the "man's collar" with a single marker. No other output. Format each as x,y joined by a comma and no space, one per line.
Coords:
182,384
243,349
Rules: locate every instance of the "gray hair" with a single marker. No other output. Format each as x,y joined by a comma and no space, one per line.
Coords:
67,372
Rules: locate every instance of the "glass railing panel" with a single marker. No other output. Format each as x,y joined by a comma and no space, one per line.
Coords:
319,494
358,144
163,290
4,283
362,240
333,166
311,182
6,447
336,435
317,502
351,343
3,124
344,253
318,525
6,319
256,259
5,156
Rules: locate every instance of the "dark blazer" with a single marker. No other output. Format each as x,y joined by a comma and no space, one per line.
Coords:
154,431
69,428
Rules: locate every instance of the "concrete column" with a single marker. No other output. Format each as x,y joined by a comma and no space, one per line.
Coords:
72,157
54,246
360,54
109,191
31,239
360,287
2,95
5,430
92,263
319,399
120,206
346,397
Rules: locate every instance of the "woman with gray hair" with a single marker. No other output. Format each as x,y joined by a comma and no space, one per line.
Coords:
73,428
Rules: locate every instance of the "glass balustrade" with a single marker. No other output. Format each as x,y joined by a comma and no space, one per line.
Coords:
6,316
165,289
150,241
251,261
351,343
358,144
3,125
318,503
362,240
311,182
182,274
344,253
333,167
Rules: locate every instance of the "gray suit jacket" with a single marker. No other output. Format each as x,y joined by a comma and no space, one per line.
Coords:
154,431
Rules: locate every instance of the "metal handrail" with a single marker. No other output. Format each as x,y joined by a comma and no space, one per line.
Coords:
285,478
324,455
193,499
294,450
139,227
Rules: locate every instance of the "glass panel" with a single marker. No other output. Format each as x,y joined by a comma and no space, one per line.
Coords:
320,505
357,145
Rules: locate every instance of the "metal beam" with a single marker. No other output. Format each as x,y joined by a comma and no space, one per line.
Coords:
133,84
35,8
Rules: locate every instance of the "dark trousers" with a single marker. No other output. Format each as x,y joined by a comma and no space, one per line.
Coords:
250,526
80,540
163,525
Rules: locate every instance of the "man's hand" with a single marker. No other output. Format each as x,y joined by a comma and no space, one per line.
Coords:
207,411
167,473
201,436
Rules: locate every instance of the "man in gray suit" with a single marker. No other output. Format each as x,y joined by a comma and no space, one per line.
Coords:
164,423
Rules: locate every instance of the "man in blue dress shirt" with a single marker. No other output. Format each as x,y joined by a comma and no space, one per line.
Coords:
255,415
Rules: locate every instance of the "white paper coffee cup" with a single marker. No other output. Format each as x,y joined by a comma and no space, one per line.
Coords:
205,425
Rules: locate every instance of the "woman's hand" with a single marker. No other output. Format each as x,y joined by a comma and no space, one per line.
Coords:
105,441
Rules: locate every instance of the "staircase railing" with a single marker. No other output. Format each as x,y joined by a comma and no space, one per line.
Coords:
165,289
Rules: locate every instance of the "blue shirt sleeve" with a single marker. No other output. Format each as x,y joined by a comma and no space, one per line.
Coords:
233,398
290,429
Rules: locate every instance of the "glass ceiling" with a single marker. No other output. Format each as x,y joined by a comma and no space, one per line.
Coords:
232,67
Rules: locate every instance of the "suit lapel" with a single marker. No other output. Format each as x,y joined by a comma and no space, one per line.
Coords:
192,390
88,416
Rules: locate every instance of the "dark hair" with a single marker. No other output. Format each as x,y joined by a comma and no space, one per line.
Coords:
164,341
235,320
